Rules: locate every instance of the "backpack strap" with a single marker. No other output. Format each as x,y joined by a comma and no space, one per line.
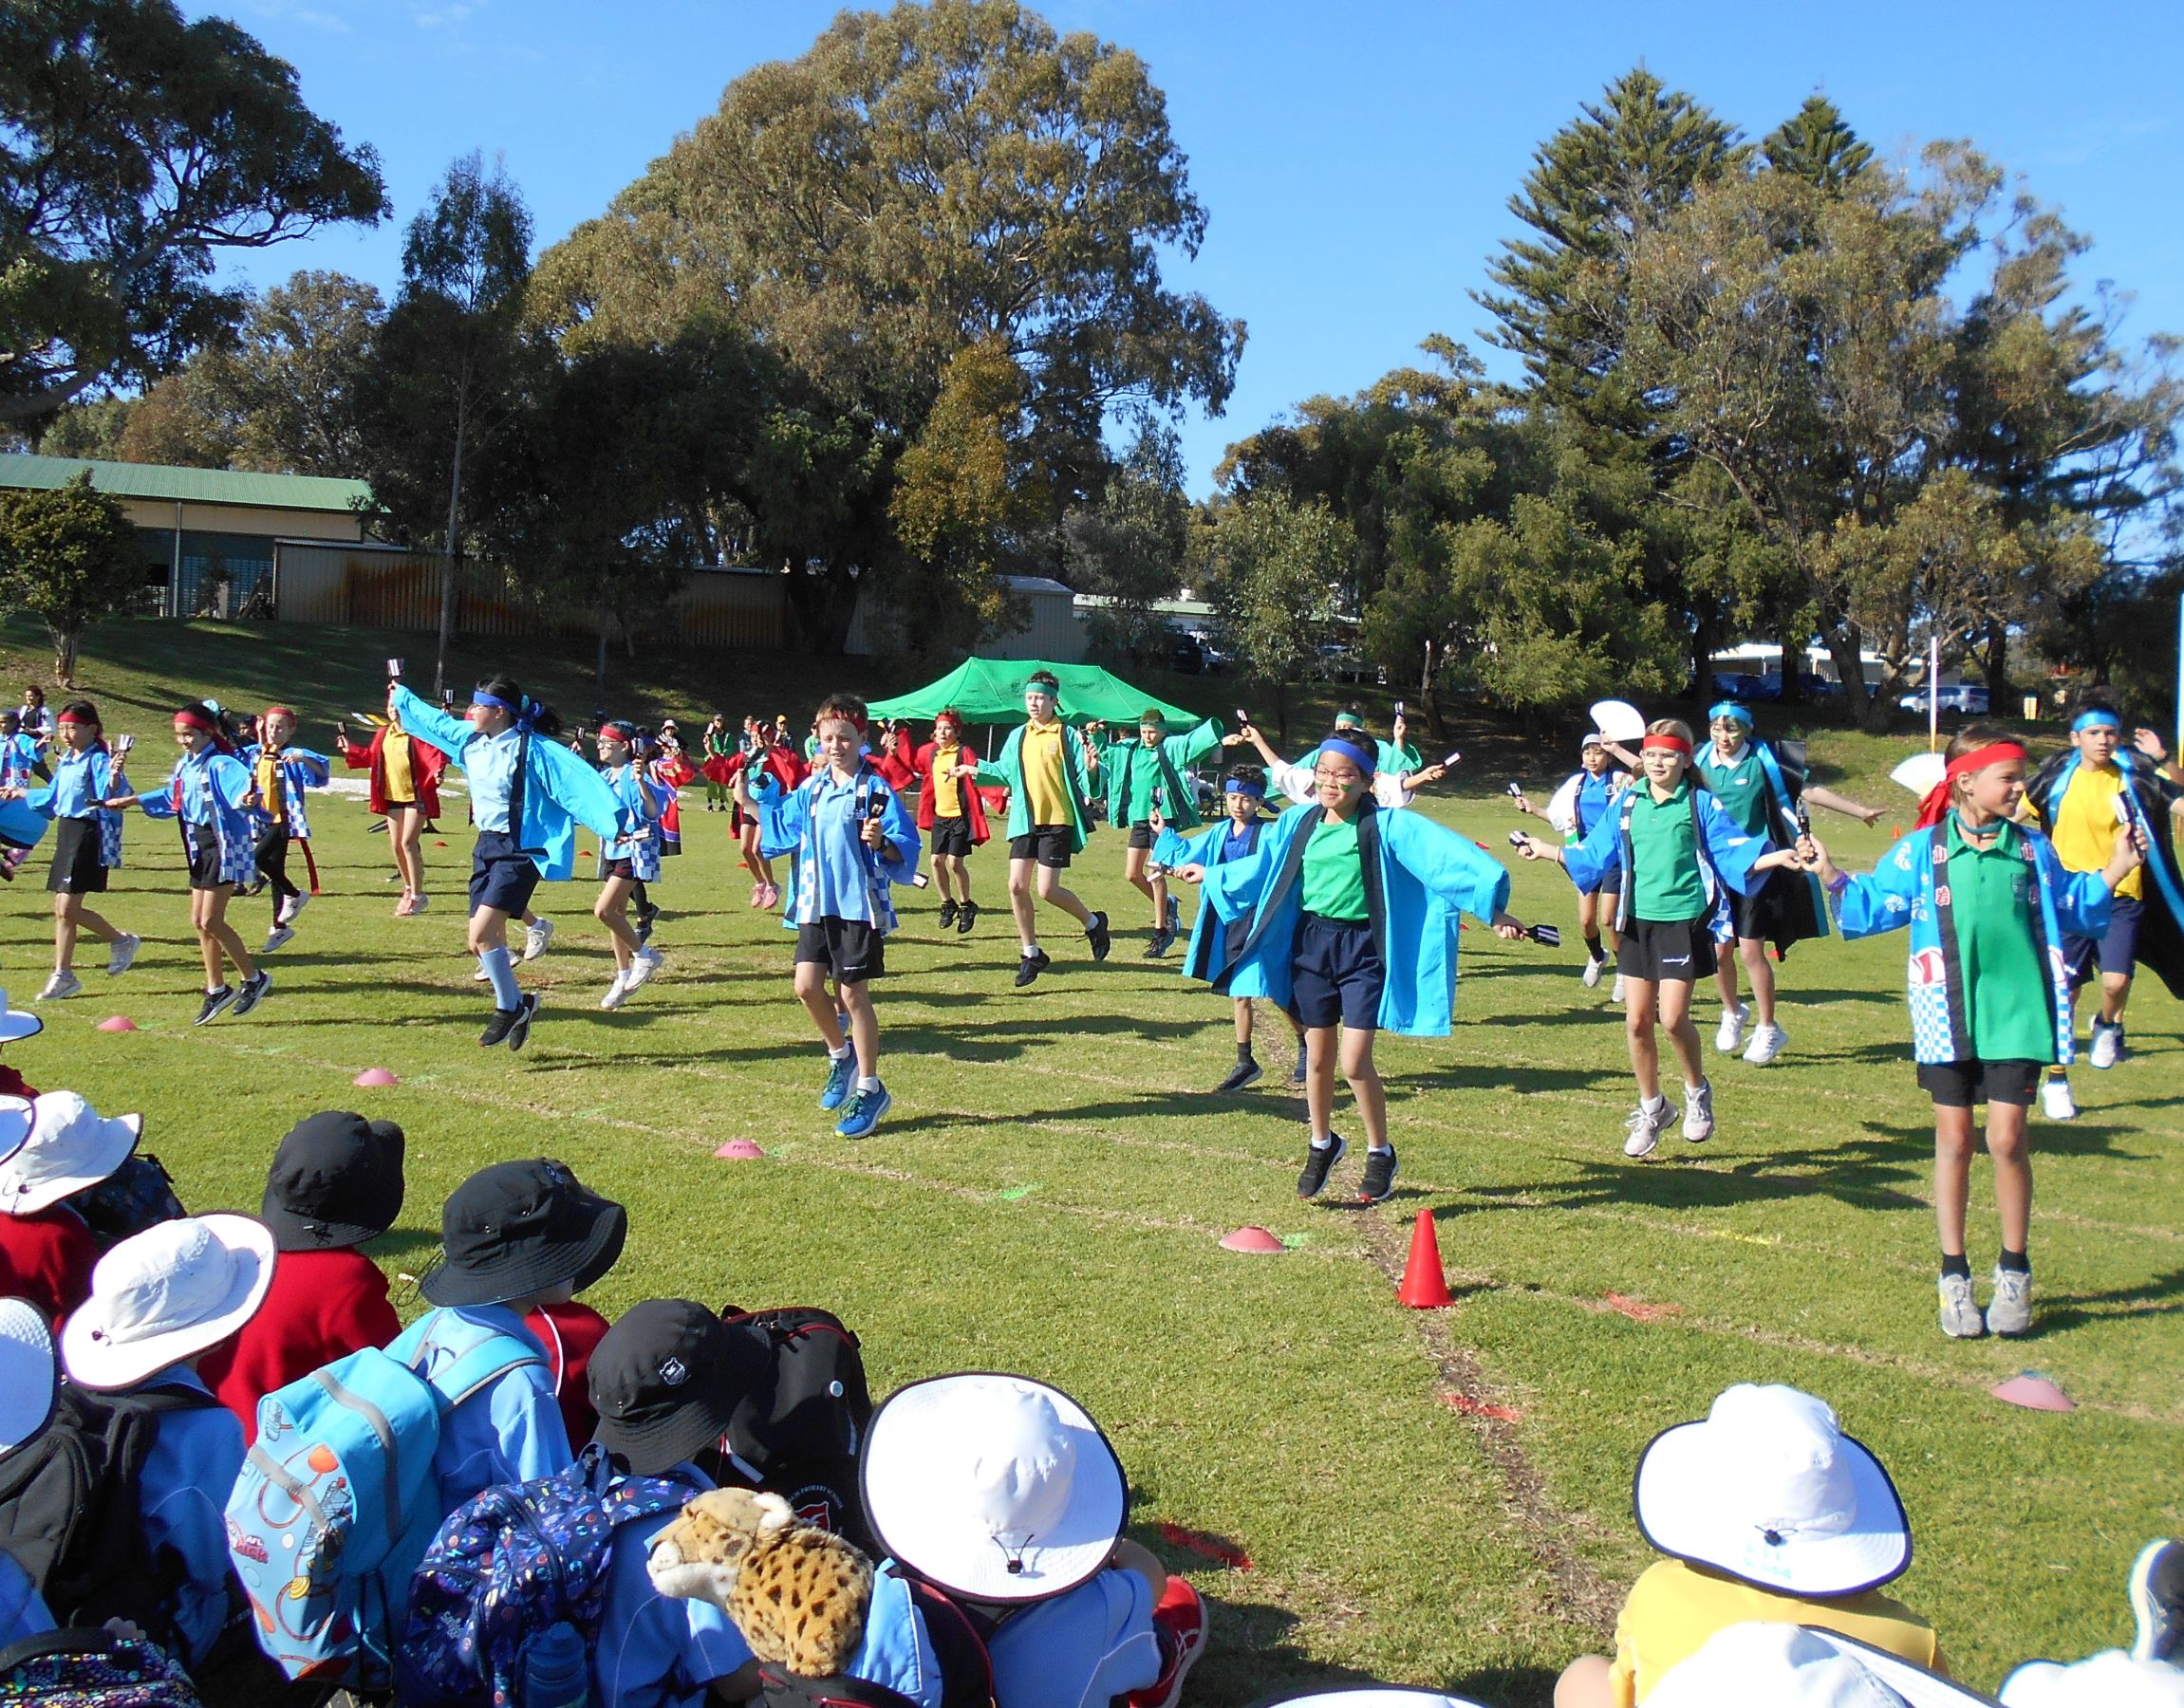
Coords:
68,1640
477,1365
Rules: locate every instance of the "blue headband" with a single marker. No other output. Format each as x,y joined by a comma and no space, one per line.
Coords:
1349,749
480,697
1244,786
2096,719
1733,709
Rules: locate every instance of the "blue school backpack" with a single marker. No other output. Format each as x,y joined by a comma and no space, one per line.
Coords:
510,1566
337,1501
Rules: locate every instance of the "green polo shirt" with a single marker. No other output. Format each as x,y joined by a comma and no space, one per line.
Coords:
1740,786
1993,906
1666,881
1334,872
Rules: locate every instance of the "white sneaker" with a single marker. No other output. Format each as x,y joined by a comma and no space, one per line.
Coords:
293,906
535,938
1646,1126
1731,1036
1617,995
481,976
642,968
276,938
2055,1100
616,993
2107,1045
1767,1041
1960,1318
121,954
1699,1112
2009,1313
1592,972
417,903
60,984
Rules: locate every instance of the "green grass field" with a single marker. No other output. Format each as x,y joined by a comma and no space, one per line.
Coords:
1432,1498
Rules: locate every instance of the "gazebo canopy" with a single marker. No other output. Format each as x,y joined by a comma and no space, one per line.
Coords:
989,691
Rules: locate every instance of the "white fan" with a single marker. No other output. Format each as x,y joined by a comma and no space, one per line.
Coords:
1920,773
1618,720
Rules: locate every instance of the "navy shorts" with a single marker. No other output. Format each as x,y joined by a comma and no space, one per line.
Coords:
1336,974
2116,953
1962,1084
501,875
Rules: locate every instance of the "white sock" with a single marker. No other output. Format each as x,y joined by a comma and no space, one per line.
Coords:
842,1054
1030,950
1373,1150
867,1081
1323,1143
1691,1090
1653,1104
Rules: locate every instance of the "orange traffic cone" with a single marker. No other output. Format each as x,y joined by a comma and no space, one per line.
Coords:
1424,1288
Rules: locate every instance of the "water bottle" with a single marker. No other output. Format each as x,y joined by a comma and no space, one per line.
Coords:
556,1671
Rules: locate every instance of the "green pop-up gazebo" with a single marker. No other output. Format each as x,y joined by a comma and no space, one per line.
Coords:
991,690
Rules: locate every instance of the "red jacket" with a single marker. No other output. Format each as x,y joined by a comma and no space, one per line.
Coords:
974,804
13,1084
570,1332
48,1258
322,1306
426,764
902,774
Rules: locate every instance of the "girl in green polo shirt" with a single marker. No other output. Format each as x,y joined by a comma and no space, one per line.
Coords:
1988,903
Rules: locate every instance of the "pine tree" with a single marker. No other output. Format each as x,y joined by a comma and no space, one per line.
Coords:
1817,145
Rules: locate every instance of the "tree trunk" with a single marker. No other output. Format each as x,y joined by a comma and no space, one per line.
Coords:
1997,662
1845,648
599,661
1793,666
63,656
822,607
448,570
1703,635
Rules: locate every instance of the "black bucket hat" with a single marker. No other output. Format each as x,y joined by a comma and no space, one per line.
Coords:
517,1228
336,1181
666,1378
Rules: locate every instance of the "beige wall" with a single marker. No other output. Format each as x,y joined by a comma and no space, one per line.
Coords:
245,519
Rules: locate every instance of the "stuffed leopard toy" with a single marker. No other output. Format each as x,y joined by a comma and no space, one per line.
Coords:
797,1594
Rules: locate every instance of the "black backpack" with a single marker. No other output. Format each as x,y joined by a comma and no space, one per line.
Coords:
802,1431
71,1508
958,1635
138,1195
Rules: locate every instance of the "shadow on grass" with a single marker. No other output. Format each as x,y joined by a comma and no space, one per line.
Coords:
2160,1295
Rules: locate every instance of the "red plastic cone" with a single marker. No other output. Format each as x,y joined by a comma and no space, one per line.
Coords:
1424,1288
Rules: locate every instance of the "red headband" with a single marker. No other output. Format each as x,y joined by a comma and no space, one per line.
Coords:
1667,742
91,723
847,717
286,711
192,718
1936,802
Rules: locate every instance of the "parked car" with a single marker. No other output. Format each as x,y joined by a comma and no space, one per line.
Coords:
1967,699
1343,664
1186,657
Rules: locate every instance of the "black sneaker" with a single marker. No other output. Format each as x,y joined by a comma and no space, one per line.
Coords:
1318,1161
2158,1599
254,990
645,915
216,1003
496,1029
1245,1072
1096,935
947,913
1029,966
519,1029
1158,945
966,918
1379,1183
1297,1073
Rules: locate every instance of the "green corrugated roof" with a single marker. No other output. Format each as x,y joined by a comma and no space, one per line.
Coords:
191,486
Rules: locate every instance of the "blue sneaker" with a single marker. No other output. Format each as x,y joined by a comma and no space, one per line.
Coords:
863,1115
841,1075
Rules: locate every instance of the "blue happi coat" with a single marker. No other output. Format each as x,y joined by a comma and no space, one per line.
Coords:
1725,853
1910,888
1418,879
212,787
640,801
1208,848
79,781
831,862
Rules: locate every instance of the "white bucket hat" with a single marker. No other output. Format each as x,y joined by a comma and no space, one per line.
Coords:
17,1023
1800,1666
998,1488
176,1289
26,1373
1387,1696
1769,1490
2109,1680
69,1146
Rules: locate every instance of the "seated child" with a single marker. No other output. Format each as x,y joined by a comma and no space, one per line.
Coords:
336,1183
1768,1513
1002,1492
53,1148
16,1024
1793,1666
159,1301
571,1332
2150,1676
27,1378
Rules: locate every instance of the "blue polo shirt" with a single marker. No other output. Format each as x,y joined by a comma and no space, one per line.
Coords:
193,1465
655,1650
1594,793
490,763
80,783
1079,1649
508,1431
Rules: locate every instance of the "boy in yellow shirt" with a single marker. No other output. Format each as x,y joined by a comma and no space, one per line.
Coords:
1050,809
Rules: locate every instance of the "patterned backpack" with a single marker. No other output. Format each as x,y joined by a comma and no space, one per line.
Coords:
505,1568
92,1668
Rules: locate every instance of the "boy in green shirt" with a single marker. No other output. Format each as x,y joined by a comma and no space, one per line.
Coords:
1144,780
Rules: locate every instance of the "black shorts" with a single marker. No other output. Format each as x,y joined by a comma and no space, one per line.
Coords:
1047,844
619,868
952,836
1961,1085
76,869
1666,951
1758,910
502,876
852,948
1141,836
203,843
1336,974
2115,952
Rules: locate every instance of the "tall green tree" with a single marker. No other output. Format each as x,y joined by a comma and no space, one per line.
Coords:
448,372
135,146
1127,549
1275,569
68,556
1816,144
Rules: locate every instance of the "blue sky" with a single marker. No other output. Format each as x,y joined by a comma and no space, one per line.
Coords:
1355,161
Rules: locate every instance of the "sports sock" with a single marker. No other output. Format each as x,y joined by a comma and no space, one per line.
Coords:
1593,948
500,971
1030,950
2020,1261
1373,1150
1652,1105
1958,1265
867,1081
1319,1144
1691,1090
842,1054
1243,1055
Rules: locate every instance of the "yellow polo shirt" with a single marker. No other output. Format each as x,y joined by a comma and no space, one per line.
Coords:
947,791
2084,828
1046,787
